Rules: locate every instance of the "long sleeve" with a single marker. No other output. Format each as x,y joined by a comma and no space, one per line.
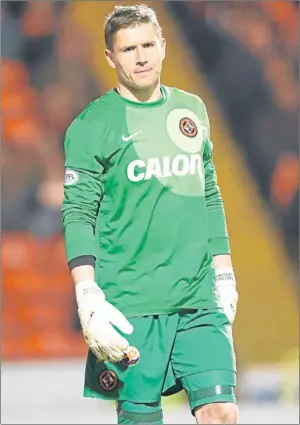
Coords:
216,219
82,189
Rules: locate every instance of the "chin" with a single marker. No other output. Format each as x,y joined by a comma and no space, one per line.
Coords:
143,83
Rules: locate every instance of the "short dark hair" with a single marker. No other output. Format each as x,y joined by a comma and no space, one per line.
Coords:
128,16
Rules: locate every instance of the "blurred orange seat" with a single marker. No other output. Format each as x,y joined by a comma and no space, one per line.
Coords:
49,343
53,249
18,251
56,271
46,344
8,349
51,257
60,282
21,282
38,300
24,131
41,316
14,75
19,258
11,344
285,180
78,345
16,104
10,315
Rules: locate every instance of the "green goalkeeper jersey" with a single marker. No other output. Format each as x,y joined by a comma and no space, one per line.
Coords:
141,196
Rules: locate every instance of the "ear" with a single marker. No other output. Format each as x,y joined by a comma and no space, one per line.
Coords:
110,58
163,48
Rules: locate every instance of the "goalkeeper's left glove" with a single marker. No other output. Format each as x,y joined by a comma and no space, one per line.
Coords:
226,290
99,319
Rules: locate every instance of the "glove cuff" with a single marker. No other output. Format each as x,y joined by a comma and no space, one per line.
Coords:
87,287
225,275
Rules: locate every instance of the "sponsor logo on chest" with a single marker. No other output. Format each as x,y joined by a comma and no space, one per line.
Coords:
180,165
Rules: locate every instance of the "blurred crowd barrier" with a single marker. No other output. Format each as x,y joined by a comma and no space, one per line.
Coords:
248,54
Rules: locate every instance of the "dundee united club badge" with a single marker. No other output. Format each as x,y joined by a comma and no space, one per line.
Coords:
108,380
188,127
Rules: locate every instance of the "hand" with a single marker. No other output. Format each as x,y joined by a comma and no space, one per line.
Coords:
226,290
97,318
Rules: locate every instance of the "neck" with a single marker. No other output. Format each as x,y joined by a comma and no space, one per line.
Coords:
149,94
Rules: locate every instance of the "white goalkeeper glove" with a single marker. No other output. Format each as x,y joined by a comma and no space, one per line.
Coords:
97,318
226,290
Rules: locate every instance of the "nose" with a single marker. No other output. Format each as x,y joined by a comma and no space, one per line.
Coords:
141,56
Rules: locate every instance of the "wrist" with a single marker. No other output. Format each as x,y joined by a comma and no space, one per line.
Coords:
86,288
222,261
224,270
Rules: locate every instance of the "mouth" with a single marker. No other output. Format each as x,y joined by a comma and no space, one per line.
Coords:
143,71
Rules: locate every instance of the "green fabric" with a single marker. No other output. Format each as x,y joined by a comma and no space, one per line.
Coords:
211,392
187,350
141,195
134,413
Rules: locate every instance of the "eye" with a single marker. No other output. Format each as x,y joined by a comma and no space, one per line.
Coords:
129,49
146,45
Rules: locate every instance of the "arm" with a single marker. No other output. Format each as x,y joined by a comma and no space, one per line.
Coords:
82,190
216,220
222,260
82,196
85,272
218,238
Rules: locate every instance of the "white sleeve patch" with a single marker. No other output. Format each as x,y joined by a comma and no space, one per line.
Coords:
71,177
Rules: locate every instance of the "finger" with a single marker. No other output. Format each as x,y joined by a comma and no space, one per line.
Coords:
116,356
110,340
117,341
98,352
119,320
111,353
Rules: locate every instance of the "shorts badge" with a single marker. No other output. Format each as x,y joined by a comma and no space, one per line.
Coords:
108,380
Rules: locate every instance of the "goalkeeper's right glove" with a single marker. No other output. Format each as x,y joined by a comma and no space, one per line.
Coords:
226,290
97,318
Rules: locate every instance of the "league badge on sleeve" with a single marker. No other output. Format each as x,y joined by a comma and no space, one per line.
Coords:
71,177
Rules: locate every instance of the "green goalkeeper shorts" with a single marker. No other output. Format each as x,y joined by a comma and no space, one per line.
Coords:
191,350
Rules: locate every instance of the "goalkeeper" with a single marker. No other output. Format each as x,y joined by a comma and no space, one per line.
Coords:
146,237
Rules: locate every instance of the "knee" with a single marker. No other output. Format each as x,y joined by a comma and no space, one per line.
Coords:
139,413
217,413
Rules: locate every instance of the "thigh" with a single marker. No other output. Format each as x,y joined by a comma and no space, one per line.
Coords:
203,357
153,336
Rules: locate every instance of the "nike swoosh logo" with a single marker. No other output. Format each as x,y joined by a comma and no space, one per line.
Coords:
127,139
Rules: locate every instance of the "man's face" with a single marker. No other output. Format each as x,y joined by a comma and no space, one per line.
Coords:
137,56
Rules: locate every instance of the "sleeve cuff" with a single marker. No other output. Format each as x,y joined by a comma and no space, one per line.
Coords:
83,260
219,246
